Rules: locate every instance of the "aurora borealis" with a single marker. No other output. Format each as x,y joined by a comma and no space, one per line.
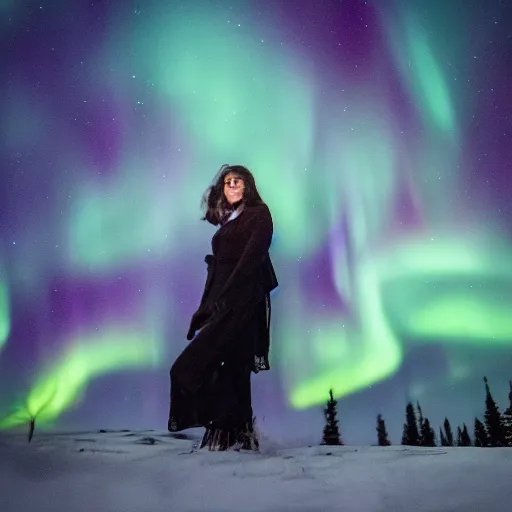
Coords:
379,135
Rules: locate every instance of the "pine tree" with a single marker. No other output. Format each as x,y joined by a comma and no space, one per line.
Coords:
421,426
410,435
404,440
465,439
493,419
331,435
459,436
442,437
507,419
382,434
428,436
448,432
480,434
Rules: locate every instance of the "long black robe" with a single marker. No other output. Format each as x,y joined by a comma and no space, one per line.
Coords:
210,380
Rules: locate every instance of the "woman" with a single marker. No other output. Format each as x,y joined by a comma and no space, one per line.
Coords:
210,380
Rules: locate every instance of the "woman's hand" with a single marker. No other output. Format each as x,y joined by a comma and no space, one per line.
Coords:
201,317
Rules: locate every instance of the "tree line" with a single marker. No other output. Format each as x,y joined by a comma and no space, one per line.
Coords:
494,431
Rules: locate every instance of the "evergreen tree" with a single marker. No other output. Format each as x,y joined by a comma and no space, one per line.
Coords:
382,434
442,437
428,436
465,439
448,432
411,436
421,422
404,440
507,419
459,437
493,419
331,435
480,434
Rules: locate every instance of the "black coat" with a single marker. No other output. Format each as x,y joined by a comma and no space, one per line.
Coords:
235,305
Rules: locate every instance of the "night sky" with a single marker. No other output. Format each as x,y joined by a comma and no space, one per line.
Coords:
380,136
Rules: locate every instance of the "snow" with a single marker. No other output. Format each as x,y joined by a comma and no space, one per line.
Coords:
121,471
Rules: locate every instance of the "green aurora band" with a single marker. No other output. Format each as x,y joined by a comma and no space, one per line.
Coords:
63,383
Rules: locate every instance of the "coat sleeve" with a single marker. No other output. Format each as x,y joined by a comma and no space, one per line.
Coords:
202,315
253,256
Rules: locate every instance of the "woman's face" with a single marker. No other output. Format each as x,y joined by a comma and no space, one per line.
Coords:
233,187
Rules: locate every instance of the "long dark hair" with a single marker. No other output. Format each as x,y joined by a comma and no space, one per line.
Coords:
214,201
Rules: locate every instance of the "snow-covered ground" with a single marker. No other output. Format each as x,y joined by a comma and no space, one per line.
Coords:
124,471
